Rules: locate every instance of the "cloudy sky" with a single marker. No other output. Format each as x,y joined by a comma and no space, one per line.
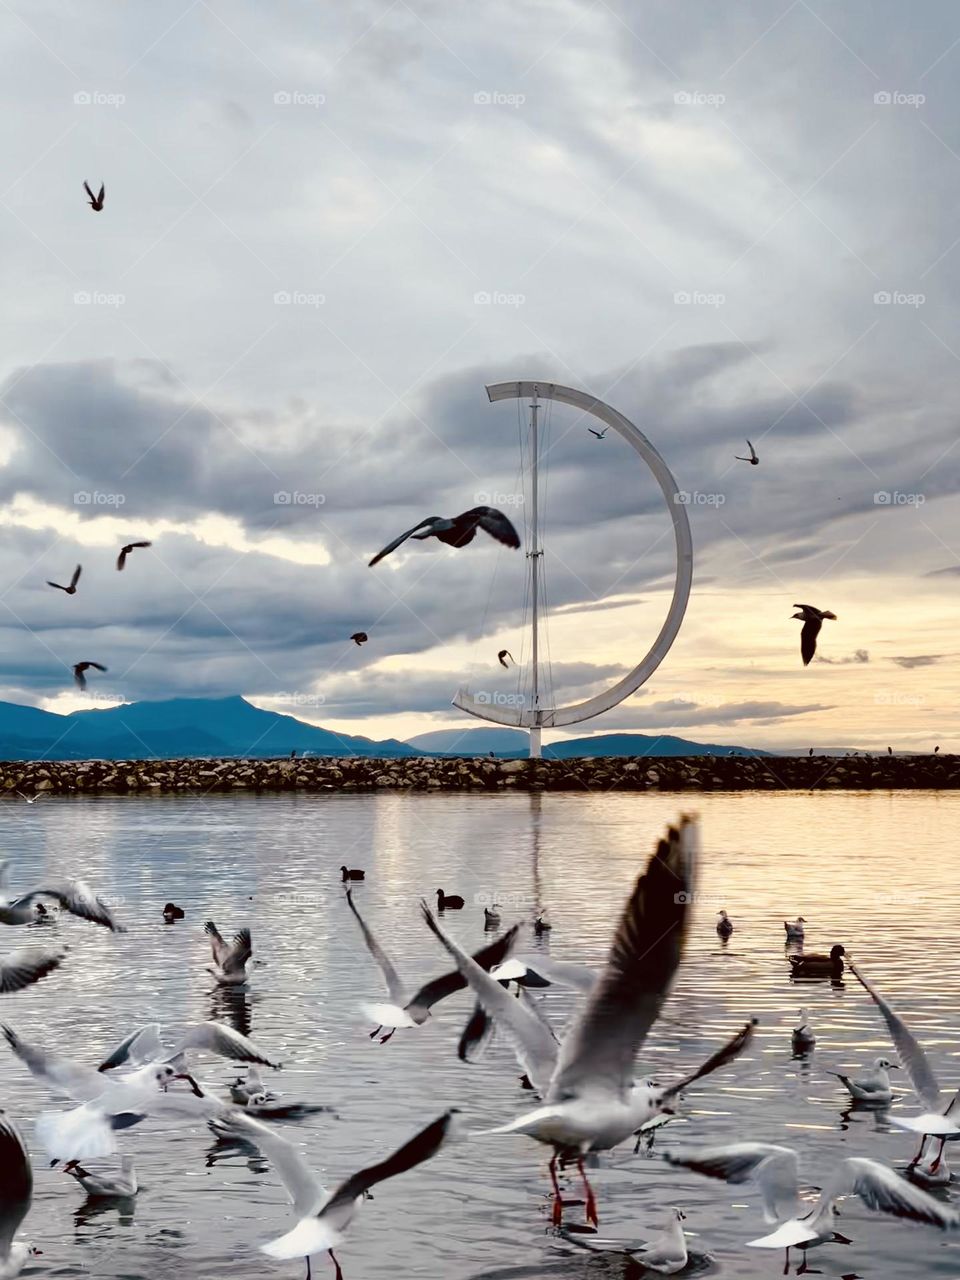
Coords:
328,227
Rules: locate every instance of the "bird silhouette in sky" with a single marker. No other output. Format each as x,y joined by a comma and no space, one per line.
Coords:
503,655
80,668
812,620
753,459
96,201
125,551
72,589
359,638
457,531
599,434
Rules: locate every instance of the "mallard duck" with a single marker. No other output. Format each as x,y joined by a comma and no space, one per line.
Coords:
819,966
803,1036
874,1087
794,931
724,925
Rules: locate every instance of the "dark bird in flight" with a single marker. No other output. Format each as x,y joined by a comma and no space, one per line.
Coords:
359,637
457,531
812,620
72,589
599,434
80,668
504,654
96,201
935,750
125,551
753,459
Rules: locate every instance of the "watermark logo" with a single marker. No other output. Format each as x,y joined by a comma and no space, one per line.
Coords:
686,298
498,299
485,498
896,98
494,898
497,98
96,98
298,898
96,298
697,98
296,498
894,498
694,498
898,298
494,698
298,98
710,902
298,699
298,298
86,498
895,698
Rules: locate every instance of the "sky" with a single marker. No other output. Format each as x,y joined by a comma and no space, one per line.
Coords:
327,228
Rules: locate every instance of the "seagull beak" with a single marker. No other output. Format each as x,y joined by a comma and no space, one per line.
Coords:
185,1075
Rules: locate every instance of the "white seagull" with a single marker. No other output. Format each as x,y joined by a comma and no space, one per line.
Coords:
803,1038
322,1217
104,1186
776,1171
74,896
794,930
229,958
413,1011
873,1088
665,1253
591,1100
16,1192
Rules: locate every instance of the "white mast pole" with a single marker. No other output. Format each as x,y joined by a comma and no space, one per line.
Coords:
534,555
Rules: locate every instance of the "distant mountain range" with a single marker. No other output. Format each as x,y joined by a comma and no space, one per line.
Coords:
200,727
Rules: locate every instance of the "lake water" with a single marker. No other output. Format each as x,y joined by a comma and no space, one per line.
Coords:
878,872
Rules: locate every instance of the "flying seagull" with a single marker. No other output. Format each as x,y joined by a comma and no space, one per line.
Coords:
125,551
359,638
229,958
323,1218
599,434
22,968
503,655
753,459
812,620
74,896
16,1193
145,1046
457,531
80,668
72,589
96,201
665,1253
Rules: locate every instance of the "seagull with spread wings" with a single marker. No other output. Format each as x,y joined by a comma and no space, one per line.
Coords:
125,551
80,668
96,201
322,1217
229,958
404,1010
812,619
753,459
458,531
74,896
70,590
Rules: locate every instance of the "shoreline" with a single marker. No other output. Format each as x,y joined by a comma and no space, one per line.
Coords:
436,773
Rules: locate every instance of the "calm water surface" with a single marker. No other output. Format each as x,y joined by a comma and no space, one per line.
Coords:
878,872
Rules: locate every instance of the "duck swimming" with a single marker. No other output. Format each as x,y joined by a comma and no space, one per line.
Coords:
449,901
724,925
172,912
819,966
347,874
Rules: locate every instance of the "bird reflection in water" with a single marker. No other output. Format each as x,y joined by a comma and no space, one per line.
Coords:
232,1006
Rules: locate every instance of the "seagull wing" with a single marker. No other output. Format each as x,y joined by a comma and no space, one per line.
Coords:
238,952
86,188
27,965
217,945
394,983
915,1062
563,973
882,1189
433,992
599,1049
217,1037
78,1082
727,1053
536,1048
16,1182
103,192
808,639
476,1035
496,524
753,452
421,1147
78,898
139,1047
301,1184
122,558
775,1169
392,546
76,575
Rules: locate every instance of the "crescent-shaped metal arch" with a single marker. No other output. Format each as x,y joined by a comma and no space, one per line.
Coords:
529,717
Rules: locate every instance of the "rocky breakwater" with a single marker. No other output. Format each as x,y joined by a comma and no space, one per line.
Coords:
435,773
